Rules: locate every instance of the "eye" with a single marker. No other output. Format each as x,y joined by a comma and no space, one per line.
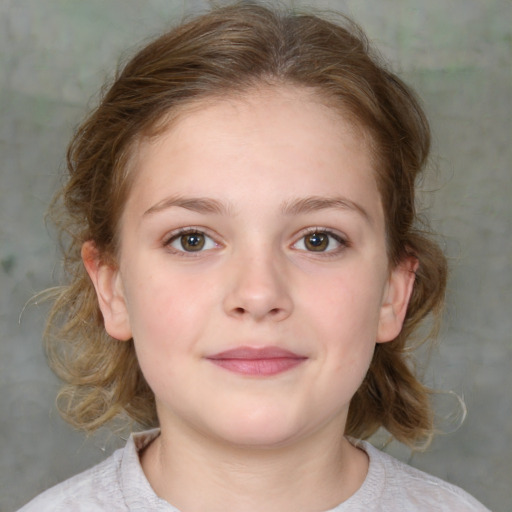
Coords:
191,241
320,241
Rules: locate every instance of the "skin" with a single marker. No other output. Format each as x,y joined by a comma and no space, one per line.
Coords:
275,166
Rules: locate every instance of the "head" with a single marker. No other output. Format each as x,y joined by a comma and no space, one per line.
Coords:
229,54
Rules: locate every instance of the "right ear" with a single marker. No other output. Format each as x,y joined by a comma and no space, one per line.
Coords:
109,289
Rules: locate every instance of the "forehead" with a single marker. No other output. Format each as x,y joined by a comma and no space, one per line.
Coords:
288,136
262,106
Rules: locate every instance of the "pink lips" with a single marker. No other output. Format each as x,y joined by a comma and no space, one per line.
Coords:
266,361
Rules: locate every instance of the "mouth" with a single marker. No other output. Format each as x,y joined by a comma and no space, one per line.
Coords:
262,362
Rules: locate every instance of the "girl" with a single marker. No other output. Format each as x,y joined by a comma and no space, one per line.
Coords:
246,268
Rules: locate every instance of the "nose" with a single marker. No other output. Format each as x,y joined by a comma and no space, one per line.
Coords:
257,289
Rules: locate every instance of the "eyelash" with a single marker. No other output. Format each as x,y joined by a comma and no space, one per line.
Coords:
339,239
175,235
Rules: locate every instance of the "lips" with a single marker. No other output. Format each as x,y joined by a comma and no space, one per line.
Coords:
265,361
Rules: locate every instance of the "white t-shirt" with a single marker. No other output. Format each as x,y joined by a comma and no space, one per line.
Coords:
118,484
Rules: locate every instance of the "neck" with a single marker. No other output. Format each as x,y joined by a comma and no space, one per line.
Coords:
197,473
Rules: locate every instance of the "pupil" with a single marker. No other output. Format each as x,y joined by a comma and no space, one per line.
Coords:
317,242
192,242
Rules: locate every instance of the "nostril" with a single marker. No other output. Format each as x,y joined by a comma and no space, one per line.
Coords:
240,311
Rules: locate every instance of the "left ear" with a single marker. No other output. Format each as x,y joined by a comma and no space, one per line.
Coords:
396,299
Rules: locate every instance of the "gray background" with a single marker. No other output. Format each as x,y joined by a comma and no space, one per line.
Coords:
55,54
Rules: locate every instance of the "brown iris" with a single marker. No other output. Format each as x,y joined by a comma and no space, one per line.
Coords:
192,242
316,242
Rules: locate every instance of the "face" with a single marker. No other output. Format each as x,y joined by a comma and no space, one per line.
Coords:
252,272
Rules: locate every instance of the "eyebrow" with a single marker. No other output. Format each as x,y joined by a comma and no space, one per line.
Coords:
196,204
291,207
315,203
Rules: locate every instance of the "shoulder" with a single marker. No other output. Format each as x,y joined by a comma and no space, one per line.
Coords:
402,487
118,484
95,489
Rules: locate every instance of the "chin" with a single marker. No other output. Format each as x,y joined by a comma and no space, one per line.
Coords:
263,431
263,440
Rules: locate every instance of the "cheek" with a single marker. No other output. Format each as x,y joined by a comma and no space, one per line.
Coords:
343,316
168,311
160,324
348,304
153,310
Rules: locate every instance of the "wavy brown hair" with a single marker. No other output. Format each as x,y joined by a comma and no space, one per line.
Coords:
230,51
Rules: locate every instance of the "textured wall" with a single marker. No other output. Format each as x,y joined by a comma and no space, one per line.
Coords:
55,55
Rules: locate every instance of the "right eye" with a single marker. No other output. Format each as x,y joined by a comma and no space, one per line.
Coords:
191,241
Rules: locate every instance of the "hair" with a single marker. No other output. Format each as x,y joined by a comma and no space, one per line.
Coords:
230,51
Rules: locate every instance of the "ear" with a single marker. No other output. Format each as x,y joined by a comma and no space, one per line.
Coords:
109,290
396,299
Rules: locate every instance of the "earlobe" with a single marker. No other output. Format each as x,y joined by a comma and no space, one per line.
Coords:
396,299
108,285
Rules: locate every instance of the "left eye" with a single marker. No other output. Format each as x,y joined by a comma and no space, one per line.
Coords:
319,241
193,241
